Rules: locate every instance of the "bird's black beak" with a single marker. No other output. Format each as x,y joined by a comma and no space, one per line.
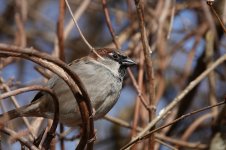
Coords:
127,62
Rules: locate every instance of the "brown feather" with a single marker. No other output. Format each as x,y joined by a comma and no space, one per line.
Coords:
102,52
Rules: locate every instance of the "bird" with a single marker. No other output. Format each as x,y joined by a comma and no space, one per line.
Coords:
102,76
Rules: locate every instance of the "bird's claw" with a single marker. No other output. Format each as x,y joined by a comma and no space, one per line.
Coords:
93,138
93,114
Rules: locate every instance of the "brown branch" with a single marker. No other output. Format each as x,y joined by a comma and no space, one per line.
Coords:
137,103
68,76
20,17
82,7
21,139
6,62
187,100
209,53
60,29
181,143
169,124
79,30
166,144
161,40
52,130
109,24
140,95
217,16
120,122
107,17
195,125
178,99
106,12
60,35
16,104
43,72
65,133
148,63
178,142
117,46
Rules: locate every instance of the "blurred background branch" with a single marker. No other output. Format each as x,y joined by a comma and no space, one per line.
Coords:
185,38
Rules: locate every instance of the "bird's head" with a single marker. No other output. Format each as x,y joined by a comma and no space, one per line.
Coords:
113,59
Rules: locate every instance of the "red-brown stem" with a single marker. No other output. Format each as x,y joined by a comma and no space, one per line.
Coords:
60,30
108,20
148,63
21,39
137,104
140,95
60,36
219,19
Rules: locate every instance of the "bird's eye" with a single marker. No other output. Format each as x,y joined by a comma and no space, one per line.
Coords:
114,55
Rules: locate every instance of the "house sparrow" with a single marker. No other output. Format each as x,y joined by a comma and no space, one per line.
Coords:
102,78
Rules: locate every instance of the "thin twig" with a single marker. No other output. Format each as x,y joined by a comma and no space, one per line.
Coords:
140,95
171,18
80,32
14,100
20,18
77,14
148,63
60,30
218,18
166,144
181,143
109,24
178,142
60,35
120,122
209,55
137,103
77,26
195,125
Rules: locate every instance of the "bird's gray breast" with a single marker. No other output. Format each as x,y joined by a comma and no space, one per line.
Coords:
102,86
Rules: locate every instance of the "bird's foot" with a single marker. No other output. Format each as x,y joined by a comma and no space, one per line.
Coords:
93,138
93,114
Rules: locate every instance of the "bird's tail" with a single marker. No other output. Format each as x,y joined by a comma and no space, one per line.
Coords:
25,111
